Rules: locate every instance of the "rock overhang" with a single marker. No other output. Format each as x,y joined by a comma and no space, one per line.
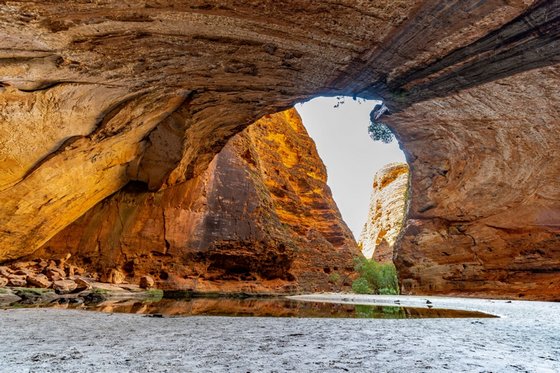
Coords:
215,67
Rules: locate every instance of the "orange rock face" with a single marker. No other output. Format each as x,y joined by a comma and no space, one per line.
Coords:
94,95
260,219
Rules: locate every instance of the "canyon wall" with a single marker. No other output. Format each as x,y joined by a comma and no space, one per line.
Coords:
484,216
91,91
260,219
96,95
386,214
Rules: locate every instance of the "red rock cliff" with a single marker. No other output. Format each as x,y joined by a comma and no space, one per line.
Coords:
261,218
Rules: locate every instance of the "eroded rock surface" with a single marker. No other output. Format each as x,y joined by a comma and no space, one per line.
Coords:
97,94
387,209
484,214
261,218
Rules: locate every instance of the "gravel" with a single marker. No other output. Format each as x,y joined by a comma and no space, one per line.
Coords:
526,338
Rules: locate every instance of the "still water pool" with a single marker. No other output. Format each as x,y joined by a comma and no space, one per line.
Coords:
268,307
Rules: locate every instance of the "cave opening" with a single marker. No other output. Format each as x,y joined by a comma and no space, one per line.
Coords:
368,179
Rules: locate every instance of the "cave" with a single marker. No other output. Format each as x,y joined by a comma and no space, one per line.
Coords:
99,100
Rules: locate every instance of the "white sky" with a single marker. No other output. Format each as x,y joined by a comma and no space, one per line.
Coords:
350,156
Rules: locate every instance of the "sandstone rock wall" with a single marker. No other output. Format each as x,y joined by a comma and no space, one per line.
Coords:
261,218
387,209
86,88
484,216
97,94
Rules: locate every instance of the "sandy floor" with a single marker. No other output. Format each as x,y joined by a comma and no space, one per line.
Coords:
525,339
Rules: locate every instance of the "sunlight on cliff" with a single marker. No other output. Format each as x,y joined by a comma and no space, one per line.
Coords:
351,157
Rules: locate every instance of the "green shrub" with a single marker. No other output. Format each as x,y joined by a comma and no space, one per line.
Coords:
335,278
154,295
361,286
375,278
388,291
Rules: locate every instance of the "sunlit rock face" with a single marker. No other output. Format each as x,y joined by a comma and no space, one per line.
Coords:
90,92
387,209
261,218
94,95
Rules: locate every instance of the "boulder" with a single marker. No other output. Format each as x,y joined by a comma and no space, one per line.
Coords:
114,276
82,284
55,273
41,263
17,281
5,271
39,280
23,272
64,286
147,282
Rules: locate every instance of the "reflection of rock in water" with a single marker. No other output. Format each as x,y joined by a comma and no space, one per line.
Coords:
273,307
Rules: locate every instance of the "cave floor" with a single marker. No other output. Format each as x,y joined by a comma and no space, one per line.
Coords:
526,338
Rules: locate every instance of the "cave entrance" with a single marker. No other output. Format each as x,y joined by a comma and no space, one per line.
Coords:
368,179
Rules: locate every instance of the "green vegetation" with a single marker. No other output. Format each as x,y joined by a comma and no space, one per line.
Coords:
380,132
99,291
335,278
154,295
32,292
375,278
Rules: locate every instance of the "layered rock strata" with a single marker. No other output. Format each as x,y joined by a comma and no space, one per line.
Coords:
387,211
94,94
261,218
87,89
484,216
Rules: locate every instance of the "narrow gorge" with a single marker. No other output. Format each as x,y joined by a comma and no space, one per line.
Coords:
386,213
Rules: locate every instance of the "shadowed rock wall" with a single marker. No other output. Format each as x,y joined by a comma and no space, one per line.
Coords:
484,215
261,218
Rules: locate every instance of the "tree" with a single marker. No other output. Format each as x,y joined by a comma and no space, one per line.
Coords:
380,132
377,130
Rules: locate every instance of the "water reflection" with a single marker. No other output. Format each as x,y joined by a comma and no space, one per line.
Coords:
276,307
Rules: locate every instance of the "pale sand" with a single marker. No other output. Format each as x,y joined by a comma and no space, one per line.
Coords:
525,339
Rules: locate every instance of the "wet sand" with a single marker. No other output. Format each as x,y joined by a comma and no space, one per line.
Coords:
525,338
